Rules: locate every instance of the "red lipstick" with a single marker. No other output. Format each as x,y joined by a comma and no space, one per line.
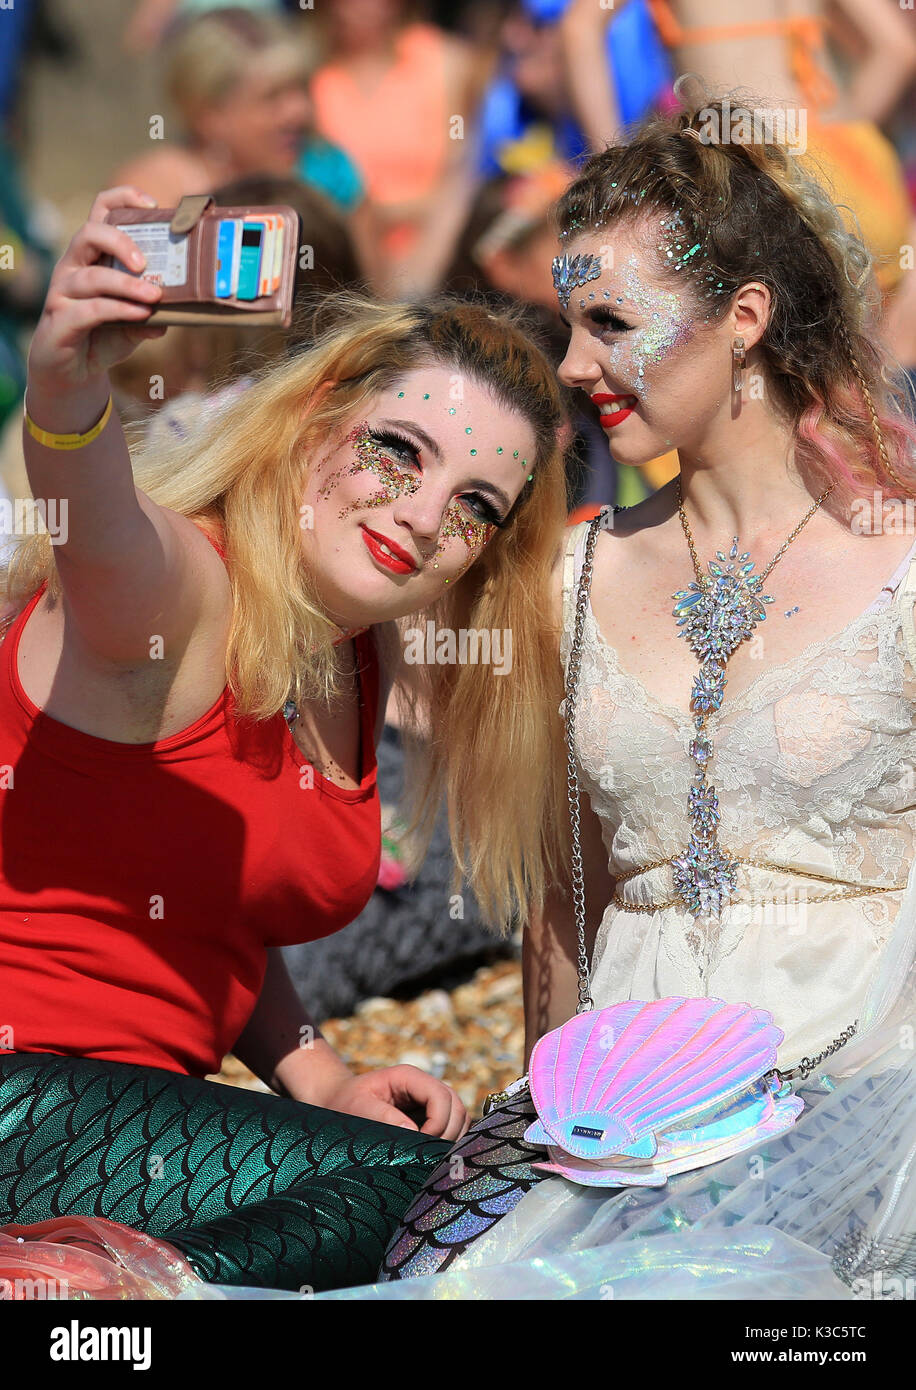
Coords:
612,418
399,562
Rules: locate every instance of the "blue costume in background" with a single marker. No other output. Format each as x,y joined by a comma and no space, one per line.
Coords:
641,70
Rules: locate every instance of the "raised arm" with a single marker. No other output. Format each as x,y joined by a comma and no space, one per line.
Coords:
129,568
886,53
583,37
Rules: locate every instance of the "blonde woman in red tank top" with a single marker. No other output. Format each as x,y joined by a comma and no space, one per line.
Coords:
202,715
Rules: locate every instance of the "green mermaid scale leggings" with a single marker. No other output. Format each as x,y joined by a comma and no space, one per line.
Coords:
251,1188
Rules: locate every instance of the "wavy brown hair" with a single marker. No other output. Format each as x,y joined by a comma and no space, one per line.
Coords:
757,214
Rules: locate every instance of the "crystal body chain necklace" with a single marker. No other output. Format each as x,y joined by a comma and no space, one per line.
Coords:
715,613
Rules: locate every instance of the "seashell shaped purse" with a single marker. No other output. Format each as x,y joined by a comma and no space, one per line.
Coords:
630,1094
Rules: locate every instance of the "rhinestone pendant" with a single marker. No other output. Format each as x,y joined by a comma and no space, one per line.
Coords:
705,878
715,616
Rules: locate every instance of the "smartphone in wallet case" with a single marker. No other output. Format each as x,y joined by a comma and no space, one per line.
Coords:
216,265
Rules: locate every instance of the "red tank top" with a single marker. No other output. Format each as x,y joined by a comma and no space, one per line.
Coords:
140,884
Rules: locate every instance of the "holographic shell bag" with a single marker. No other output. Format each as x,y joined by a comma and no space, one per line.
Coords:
631,1094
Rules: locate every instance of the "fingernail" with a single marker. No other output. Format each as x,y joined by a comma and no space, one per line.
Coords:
149,200
137,259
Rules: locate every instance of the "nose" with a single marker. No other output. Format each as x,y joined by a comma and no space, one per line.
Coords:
297,108
579,367
422,512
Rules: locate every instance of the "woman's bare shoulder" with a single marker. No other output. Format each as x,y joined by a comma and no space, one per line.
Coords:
636,528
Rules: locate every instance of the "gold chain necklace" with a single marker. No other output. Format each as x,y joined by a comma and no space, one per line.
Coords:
715,613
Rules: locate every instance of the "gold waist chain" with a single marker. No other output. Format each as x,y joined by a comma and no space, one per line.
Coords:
850,888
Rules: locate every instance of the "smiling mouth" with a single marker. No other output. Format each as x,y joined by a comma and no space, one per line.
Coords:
610,407
613,410
402,562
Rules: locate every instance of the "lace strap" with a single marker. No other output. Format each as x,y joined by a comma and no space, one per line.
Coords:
906,597
572,568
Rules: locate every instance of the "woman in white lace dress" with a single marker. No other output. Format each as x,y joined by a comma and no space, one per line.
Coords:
708,292
747,789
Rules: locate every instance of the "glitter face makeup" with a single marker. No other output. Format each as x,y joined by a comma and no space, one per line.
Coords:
681,246
646,343
668,326
475,534
568,274
371,457
435,461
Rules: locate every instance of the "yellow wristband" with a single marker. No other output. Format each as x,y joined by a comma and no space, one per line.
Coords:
67,441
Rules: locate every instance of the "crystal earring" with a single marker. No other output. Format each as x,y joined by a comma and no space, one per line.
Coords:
739,359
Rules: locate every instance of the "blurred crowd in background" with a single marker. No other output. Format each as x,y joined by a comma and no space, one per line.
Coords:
423,146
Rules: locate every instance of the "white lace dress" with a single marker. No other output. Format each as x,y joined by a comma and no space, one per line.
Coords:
815,768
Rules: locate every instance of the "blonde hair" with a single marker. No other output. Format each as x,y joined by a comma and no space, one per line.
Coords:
492,743
210,55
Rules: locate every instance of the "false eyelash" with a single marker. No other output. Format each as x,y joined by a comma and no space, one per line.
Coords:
393,436
604,316
491,515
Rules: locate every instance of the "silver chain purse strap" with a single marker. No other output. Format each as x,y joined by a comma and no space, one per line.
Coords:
807,1064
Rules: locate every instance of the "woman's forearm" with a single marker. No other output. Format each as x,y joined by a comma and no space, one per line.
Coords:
588,74
283,1046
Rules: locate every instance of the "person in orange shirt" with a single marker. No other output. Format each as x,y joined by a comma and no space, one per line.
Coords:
397,94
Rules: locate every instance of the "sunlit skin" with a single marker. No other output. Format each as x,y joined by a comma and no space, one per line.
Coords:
642,336
736,452
737,465
436,509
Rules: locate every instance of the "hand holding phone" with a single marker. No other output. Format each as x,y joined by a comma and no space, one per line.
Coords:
216,265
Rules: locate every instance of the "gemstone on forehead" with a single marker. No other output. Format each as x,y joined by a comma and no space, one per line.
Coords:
571,271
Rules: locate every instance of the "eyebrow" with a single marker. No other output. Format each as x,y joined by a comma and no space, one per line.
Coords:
482,484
